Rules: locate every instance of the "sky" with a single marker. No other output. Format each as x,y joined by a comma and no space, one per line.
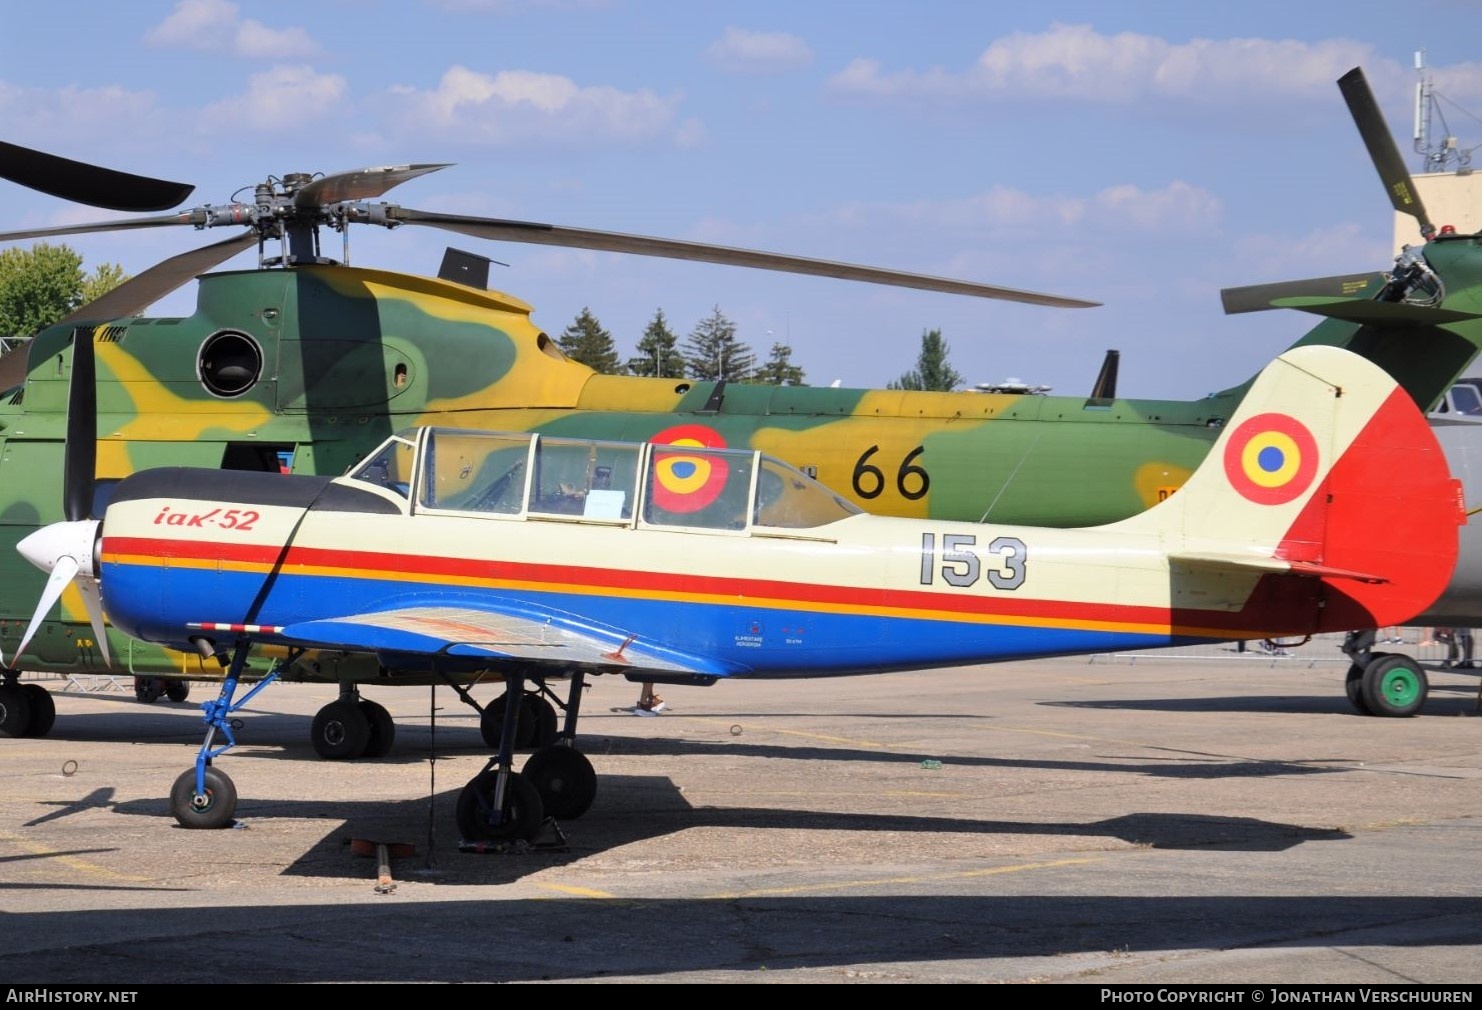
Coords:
1142,155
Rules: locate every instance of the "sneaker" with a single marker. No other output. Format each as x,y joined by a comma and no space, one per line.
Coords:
640,710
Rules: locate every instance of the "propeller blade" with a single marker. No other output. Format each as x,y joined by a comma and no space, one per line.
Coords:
93,602
1382,149
580,238
90,184
137,293
61,574
1258,297
81,449
361,184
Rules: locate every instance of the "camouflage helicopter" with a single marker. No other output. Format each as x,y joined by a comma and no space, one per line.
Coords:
309,363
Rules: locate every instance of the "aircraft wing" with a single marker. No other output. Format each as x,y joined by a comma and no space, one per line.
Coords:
1276,566
473,633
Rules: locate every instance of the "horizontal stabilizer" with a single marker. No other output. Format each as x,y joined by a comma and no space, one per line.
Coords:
1367,313
1251,563
1260,297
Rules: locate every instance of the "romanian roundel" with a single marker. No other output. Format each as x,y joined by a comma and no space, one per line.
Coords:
686,482
1271,459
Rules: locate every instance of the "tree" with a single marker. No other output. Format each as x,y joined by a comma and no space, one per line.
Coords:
779,369
586,341
658,351
40,285
932,371
711,351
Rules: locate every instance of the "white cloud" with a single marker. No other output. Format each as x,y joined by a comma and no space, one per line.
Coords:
515,106
742,52
1177,207
108,113
217,26
1077,62
279,96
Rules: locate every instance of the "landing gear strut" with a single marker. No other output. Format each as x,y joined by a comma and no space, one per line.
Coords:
1382,683
203,796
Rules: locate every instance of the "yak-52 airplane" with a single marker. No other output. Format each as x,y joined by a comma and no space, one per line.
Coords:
541,557
317,361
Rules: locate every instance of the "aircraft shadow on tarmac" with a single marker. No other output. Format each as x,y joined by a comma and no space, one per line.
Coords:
860,938
639,808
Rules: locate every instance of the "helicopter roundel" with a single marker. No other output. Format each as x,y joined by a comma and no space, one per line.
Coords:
687,482
1271,459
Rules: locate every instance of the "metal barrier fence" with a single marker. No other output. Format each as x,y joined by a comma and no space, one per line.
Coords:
1320,650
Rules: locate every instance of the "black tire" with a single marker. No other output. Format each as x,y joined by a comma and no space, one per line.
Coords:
177,690
214,809
43,710
382,729
341,731
1353,686
1394,686
147,689
491,724
543,720
565,780
522,814
15,711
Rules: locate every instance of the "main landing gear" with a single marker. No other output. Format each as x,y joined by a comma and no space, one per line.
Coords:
1382,683
500,804
25,709
497,804
352,727
150,689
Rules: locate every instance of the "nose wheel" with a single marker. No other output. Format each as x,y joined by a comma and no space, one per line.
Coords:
204,802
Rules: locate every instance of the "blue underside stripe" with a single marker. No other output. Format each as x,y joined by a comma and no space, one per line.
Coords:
738,638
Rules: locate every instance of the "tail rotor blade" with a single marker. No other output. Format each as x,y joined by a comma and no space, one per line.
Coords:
61,574
1382,149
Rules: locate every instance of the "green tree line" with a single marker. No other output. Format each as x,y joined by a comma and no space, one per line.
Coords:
713,351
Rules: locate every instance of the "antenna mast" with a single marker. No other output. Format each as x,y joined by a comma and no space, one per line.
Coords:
1446,154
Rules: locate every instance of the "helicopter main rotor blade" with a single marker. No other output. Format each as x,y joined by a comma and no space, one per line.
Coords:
137,293
580,238
90,184
361,184
1382,149
122,224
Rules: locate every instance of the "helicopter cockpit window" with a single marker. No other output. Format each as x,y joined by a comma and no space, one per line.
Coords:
1463,399
390,466
472,471
787,499
594,480
697,487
